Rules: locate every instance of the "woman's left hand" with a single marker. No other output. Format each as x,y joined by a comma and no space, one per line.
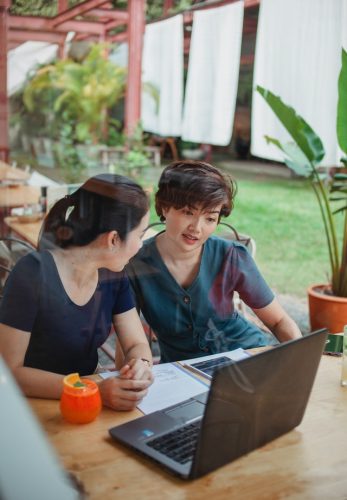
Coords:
136,369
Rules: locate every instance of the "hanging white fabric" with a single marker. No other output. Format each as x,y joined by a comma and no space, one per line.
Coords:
162,68
298,57
213,71
25,58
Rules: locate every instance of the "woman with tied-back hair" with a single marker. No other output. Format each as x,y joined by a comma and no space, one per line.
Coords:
185,277
60,301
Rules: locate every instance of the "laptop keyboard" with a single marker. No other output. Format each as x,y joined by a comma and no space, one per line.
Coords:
211,365
179,445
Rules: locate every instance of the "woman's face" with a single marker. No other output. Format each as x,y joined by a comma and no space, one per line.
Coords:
188,228
129,247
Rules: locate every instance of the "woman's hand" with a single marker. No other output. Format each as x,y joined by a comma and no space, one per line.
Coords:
137,369
123,394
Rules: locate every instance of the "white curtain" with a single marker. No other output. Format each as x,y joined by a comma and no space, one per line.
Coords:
298,57
25,58
213,71
162,67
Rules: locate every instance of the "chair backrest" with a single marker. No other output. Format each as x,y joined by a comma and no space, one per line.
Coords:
11,249
233,234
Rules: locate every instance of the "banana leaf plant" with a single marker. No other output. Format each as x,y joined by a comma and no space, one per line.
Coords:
303,156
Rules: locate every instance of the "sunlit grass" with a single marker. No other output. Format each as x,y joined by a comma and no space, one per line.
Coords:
283,218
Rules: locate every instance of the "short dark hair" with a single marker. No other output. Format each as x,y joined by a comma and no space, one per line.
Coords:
194,183
103,203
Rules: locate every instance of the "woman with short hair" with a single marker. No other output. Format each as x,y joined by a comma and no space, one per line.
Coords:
184,278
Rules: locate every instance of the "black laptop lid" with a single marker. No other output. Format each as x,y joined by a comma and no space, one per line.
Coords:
256,400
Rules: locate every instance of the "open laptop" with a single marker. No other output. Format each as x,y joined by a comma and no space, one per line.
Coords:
250,403
29,467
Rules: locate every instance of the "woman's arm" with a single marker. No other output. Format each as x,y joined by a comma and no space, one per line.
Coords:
278,321
134,344
117,393
126,392
33,382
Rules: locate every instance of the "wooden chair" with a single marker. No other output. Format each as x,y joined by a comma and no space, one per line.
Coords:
163,143
11,249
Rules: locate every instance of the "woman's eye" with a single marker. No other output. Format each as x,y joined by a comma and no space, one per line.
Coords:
211,219
187,212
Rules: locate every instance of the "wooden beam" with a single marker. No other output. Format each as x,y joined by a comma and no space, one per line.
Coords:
33,23
113,24
78,10
119,38
21,36
4,136
12,45
63,5
29,22
94,28
110,14
136,27
168,4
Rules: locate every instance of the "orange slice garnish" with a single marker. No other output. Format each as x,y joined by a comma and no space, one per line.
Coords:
73,380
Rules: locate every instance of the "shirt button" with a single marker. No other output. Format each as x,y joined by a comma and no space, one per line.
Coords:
190,327
186,299
206,349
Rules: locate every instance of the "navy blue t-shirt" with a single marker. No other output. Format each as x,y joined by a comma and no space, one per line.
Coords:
64,336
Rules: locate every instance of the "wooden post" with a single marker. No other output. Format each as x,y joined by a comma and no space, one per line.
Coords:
4,136
168,4
136,26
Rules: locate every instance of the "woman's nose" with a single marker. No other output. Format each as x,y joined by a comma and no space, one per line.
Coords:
195,224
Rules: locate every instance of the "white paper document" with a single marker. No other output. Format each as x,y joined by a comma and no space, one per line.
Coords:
172,384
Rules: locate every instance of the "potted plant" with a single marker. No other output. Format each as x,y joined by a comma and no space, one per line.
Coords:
327,302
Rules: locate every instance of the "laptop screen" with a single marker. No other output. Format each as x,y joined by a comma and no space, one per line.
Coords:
29,467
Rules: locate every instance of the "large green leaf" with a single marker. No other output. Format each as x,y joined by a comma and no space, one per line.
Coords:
341,124
296,160
304,136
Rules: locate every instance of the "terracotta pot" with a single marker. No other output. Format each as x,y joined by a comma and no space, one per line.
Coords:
326,311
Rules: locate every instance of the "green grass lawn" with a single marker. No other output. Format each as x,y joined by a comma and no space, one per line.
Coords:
283,217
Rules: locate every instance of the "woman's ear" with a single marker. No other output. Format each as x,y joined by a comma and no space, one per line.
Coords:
113,240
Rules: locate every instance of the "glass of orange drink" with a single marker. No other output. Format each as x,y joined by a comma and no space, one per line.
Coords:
80,401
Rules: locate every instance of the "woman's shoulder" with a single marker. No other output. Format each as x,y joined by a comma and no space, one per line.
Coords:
217,243
32,260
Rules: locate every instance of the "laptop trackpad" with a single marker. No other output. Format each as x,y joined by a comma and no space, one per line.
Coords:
187,411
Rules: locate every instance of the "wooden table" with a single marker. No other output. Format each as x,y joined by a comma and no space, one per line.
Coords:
16,196
307,463
28,231
8,173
